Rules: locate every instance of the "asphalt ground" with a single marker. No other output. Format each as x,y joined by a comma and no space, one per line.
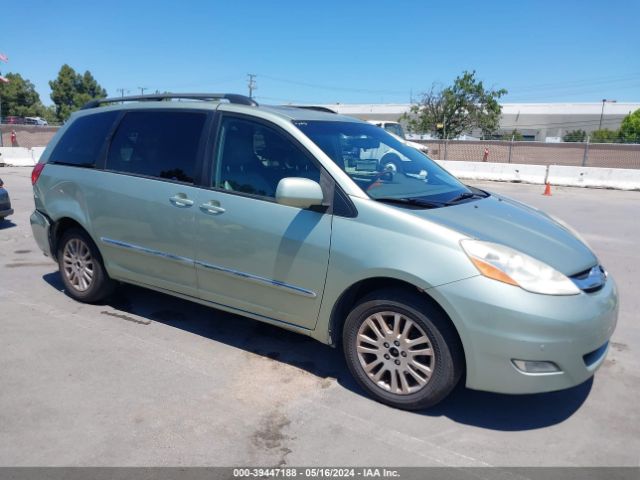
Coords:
147,379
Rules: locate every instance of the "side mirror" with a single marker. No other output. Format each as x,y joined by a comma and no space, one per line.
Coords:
299,192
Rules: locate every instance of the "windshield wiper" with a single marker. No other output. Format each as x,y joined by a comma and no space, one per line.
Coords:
464,196
414,202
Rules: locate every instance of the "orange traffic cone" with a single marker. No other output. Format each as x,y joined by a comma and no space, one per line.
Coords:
547,189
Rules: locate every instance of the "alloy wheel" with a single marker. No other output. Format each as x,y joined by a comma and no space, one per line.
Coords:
395,352
78,264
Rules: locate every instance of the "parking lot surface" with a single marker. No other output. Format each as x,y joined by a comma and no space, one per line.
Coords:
147,379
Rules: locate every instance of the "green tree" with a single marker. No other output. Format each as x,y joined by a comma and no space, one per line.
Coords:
605,136
630,128
70,90
575,136
456,109
19,97
516,135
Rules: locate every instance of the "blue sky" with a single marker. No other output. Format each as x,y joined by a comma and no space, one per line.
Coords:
332,51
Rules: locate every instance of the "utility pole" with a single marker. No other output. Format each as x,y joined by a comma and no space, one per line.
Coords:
604,100
252,83
142,89
121,90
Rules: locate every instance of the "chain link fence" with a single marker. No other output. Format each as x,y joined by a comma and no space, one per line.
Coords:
27,136
611,155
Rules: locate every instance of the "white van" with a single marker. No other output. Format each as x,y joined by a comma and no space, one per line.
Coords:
396,129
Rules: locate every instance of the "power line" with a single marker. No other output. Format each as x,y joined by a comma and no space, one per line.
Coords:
571,93
577,83
334,88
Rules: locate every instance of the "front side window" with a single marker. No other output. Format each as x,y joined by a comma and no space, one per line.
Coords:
381,165
81,143
252,158
157,144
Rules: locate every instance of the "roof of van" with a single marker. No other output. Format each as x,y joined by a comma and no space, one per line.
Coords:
232,102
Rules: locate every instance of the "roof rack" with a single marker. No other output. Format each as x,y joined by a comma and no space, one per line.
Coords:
231,97
317,108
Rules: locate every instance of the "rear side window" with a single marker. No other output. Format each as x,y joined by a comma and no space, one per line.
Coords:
157,144
83,140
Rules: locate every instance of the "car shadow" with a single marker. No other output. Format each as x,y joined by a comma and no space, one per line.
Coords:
5,224
470,407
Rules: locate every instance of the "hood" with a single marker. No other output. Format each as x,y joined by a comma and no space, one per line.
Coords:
417,146
502,220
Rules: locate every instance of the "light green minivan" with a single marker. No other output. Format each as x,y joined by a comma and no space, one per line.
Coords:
330,227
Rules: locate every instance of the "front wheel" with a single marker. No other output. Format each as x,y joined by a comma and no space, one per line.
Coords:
81,268
402,350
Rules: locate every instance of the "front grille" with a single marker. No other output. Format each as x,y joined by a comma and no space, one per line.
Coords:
590,280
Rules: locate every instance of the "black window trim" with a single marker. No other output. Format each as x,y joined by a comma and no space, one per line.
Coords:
200,153
329,185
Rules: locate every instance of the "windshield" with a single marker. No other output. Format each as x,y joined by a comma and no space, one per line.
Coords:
381,165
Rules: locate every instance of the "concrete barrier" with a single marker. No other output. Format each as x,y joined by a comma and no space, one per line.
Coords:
618,178
36,153
504,172
16,157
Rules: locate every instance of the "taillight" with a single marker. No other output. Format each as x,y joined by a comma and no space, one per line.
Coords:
35,173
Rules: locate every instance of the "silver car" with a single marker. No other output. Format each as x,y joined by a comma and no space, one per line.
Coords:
289,216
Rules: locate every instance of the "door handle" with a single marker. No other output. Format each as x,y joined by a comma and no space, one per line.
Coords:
181,200
213,207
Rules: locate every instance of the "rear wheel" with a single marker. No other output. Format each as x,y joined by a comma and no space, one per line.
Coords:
402,350
81,268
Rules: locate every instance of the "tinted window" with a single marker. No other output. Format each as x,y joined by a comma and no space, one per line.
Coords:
253,158
81,143
157,144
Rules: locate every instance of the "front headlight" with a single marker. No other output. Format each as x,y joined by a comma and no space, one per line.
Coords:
515,268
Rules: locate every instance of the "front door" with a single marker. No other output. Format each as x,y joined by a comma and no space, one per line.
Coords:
252,253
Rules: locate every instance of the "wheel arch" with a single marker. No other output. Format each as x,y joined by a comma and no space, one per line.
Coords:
60,226
358,290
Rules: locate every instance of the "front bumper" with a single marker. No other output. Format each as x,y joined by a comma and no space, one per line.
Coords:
41,228
499,323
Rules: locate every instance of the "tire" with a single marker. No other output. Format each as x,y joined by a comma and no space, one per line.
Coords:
429,376
81,268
